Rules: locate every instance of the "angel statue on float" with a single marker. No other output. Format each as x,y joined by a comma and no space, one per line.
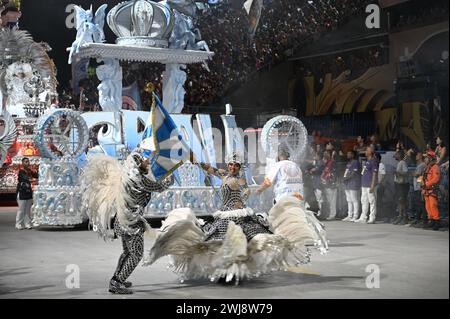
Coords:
89,28
184,35
110,89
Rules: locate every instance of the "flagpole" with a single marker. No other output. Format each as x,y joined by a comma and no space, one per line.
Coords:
198,163
192,158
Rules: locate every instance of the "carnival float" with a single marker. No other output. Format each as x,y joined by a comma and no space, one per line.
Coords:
146,31
27,85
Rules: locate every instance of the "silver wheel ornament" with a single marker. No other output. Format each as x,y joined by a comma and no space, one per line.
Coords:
60,133
287,133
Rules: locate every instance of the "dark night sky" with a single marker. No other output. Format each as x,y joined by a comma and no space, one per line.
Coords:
46,21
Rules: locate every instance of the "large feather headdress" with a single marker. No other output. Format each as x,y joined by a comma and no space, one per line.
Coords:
235,157
18,46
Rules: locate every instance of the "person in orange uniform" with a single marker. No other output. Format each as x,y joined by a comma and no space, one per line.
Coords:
430,185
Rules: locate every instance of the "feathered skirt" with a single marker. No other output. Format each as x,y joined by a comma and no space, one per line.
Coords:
238,244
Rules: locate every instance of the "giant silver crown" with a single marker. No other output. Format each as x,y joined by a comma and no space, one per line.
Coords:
141,22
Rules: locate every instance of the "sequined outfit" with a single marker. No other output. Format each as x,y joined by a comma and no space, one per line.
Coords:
114,197
139,189
243,217
232,197
237,244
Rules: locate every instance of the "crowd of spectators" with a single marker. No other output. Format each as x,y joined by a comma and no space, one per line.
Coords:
9,14
415,13
285,26
367,183
358,61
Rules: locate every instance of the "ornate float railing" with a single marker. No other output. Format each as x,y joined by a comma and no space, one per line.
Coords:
203,200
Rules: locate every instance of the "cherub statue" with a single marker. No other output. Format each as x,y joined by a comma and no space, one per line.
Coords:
173,80
187,7
185,35
89,28
110,89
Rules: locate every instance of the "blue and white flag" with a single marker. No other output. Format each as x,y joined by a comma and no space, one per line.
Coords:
162,142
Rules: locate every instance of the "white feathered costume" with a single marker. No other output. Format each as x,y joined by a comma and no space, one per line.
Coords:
182,236
114,197
111,189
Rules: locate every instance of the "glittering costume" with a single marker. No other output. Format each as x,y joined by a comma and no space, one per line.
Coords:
117,195
237,244
244,217
133,249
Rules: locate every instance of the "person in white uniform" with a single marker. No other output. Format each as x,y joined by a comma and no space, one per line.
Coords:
286,178
352,184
